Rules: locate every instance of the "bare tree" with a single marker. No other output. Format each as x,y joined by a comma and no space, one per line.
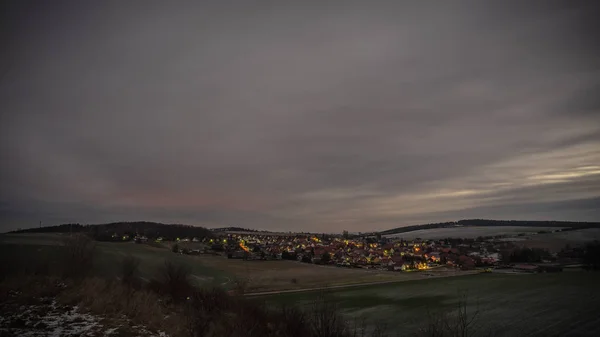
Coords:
324,318
78,255
460,323
129,270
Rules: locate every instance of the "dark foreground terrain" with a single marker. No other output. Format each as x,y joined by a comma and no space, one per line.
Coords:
72,286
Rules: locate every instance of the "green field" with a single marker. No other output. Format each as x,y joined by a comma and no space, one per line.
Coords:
562,304
31,248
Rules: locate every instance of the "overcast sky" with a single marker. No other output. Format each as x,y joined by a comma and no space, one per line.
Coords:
303,115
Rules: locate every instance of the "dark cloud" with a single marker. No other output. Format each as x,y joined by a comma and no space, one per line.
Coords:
297,116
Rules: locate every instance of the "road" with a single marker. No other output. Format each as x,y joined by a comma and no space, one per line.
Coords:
343,286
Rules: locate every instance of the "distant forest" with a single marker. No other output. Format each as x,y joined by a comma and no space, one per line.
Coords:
154,230
110,231
234,229
489,223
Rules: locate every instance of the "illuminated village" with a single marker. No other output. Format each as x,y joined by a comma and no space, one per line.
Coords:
358,252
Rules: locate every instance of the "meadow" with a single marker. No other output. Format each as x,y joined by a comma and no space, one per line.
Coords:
561,304
28,248
291,275
206,270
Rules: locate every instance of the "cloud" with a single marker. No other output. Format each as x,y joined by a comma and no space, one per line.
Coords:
303,116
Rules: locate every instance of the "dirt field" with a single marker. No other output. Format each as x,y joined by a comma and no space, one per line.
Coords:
285,275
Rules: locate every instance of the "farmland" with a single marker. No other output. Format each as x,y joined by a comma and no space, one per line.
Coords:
32,247
509,305
468,232
290,275
207,270
556,241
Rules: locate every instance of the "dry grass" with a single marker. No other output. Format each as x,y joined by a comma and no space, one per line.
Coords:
30,286
207,312
78,250
115,299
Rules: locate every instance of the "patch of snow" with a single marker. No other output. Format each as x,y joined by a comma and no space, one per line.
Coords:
110,331
52,319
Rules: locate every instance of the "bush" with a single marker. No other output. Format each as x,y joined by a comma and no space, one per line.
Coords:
130,270
212,313
293,322
78,255
173,280
114,299
325,320
460,323
591,255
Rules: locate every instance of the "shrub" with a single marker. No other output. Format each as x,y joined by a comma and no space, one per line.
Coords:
173,280
293,322
460,323
591,255
78,255
114,299
130,270
325,319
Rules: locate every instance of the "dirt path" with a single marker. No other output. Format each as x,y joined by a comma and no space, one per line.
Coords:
275,292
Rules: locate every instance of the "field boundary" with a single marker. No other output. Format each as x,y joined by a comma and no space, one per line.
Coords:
353,285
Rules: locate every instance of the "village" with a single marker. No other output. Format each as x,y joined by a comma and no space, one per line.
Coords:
499,253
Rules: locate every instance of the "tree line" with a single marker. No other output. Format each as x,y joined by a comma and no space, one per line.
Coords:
117,231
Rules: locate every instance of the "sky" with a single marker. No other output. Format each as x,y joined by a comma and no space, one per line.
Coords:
298,115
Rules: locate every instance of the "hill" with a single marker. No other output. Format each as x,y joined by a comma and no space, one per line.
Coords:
127,230
234,229
494,223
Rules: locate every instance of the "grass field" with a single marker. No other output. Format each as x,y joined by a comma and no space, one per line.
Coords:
207,269
31,247
557,241
562,304
468,232
287,275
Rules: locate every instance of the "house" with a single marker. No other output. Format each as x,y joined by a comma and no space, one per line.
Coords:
434,257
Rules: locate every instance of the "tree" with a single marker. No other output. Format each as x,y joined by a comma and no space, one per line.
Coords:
591,255
175,248
345,234
505,256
